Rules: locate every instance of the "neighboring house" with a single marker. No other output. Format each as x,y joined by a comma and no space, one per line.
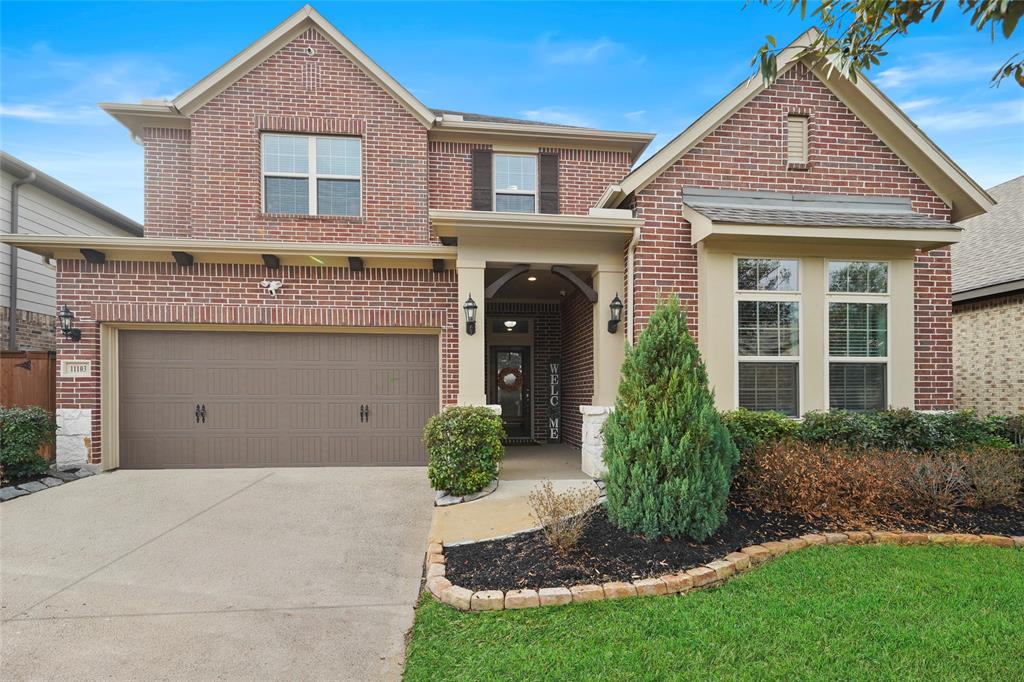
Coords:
44,206
988,306
317,239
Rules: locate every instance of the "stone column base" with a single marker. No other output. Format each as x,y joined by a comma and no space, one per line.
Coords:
74,437
594,417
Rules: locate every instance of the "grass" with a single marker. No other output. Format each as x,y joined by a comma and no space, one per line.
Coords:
824,613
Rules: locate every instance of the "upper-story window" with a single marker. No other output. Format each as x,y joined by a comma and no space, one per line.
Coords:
515,183
312,175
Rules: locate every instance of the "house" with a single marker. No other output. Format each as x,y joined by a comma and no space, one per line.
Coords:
988,306
328,262
32,202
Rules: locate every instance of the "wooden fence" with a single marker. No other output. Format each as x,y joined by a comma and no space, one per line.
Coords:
29,378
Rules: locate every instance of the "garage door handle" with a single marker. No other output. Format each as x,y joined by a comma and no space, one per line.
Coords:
363,413
202,413
197,413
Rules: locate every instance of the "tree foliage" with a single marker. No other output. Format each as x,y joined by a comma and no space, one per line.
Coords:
670,458
854,33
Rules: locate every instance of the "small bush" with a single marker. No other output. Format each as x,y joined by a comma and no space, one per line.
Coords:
934,483
464,449
750,430
562,516
993,476
23,430
825,481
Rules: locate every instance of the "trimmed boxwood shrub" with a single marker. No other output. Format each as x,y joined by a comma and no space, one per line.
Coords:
750,430
23,430
670,459
464,448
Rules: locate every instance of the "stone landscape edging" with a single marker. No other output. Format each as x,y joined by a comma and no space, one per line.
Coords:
443,498
54,477
712,574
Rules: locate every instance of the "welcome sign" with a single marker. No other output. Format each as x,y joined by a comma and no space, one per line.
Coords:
555,401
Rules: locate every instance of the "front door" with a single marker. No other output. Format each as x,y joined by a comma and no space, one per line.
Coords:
510,388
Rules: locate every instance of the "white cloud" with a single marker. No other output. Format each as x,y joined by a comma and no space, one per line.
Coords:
561,115
922,103
933,67
635,115
42,113
578,52
973,118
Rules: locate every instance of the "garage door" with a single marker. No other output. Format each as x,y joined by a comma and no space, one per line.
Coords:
246,399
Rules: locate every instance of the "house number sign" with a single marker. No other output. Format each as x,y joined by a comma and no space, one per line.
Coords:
555,401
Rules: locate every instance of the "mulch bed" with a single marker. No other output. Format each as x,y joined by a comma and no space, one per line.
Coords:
606,553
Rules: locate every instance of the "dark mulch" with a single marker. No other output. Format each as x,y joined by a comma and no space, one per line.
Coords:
606,553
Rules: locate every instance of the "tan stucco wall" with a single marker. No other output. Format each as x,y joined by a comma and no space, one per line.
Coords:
988,355
716,301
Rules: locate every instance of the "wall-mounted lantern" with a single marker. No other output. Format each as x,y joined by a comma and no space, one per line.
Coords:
470,308
66,316
616,310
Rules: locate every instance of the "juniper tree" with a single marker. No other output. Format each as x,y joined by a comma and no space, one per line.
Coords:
670,458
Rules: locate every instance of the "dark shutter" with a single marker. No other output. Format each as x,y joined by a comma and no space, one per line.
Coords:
483,180
548,183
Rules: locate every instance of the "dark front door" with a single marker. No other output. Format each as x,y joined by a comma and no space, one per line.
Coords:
510,388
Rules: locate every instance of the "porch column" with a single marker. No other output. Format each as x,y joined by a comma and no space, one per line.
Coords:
609,349
472,350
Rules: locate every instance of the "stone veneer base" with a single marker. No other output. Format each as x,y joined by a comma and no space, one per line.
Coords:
712,574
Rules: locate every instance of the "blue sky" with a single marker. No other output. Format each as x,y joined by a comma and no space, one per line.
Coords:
618,65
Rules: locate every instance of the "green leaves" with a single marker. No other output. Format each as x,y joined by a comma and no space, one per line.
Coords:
669,457
23,430
464,448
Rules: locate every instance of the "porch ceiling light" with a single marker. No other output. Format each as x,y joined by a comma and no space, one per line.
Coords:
531,278
510,325
469,307
66,316
616,314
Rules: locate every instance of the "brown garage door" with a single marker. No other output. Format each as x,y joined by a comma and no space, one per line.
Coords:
274,399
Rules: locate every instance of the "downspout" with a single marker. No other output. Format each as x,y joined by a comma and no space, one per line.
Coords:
630,261
12,315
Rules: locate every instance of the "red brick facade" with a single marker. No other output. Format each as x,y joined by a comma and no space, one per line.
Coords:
230,294
747,152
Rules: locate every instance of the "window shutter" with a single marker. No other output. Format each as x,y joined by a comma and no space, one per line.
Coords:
796,139
548,182
483,180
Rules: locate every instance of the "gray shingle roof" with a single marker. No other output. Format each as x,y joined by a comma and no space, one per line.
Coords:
467,116
992,248
814,210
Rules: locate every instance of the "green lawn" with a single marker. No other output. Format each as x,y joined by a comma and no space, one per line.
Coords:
871,612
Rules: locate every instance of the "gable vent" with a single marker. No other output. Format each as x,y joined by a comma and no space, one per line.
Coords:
796,139
311,75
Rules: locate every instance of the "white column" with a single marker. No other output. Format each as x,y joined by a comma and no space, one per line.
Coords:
472,350
609,349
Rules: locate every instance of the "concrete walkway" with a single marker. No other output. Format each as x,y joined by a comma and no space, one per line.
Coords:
507,509
247,574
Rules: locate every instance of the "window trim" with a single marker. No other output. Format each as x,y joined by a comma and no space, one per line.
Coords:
516,192
863,297
311,176
795,296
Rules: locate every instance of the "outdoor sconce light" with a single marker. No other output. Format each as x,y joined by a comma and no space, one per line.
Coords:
70,332
470,309
616,309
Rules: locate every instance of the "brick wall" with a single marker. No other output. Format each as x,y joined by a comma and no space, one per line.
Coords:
546,322
988,355
747,152
168,183
295,92
577,364
35,330
206,293
583,175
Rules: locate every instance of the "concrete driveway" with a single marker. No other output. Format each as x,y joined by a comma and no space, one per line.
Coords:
220,574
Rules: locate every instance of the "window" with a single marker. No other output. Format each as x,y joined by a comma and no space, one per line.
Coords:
796,140
858,335
312,175
768,334
515,183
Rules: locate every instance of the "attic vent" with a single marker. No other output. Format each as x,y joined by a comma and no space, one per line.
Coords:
311,75
796,140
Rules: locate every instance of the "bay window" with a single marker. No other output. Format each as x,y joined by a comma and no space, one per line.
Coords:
312,175
858,335
768,334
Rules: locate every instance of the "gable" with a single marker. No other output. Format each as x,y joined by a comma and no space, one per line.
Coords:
876,112
270,44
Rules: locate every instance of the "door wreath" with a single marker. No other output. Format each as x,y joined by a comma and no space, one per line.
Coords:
510,379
